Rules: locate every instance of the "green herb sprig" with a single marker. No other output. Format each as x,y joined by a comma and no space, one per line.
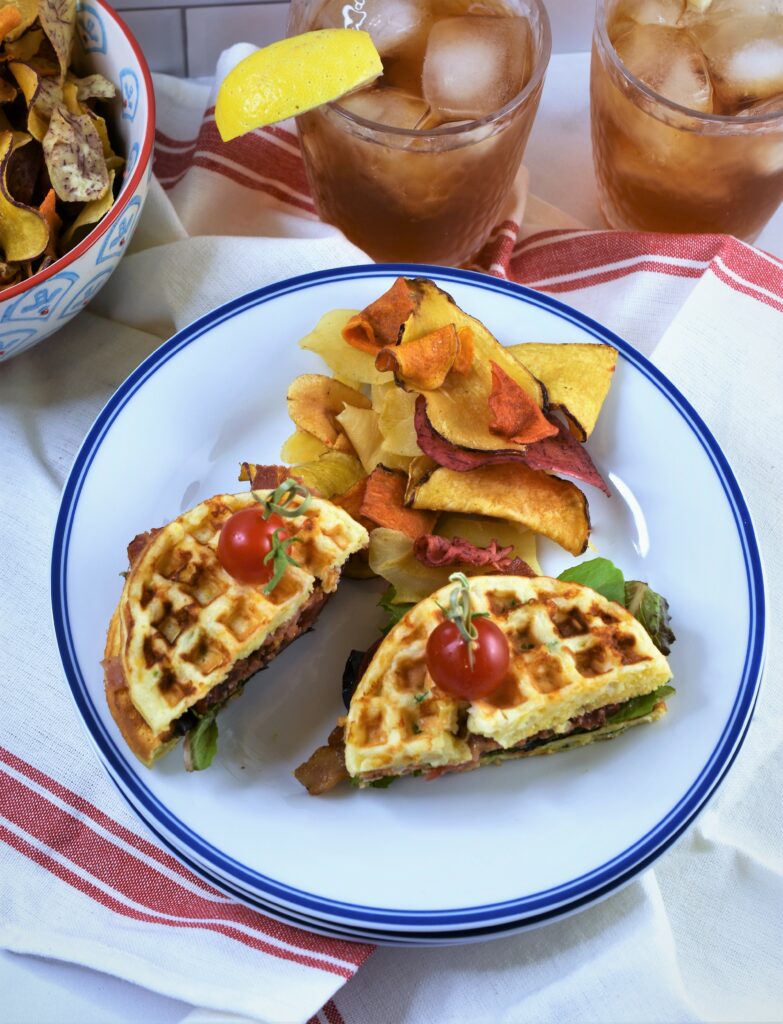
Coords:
461,613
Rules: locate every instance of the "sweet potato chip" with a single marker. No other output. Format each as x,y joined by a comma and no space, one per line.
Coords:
352,500
380,323
441,552
48,211
302,447
513,413
577,378
383,504
315,401
347,363
423,364
481,531
544,504
459,408
10,19
23,231
24,47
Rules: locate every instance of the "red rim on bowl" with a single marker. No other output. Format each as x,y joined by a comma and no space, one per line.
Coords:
128,187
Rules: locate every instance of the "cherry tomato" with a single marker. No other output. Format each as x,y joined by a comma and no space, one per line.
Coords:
449,666
245,539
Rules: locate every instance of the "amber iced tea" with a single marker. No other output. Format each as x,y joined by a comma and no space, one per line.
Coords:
687,113
418,166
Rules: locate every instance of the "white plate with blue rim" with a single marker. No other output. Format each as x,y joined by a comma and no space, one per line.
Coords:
466,856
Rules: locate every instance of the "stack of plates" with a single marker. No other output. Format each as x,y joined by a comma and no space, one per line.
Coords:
468,856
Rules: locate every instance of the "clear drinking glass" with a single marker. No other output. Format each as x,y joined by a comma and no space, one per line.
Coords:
403,179
708,155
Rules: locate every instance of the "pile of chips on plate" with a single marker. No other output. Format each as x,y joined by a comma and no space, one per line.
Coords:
57,165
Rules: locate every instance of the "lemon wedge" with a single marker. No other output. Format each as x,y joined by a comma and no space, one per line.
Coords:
294,75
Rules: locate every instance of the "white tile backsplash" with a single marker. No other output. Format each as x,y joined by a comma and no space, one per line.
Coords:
185,37
210,30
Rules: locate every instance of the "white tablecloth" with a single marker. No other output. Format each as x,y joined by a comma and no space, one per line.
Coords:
718,984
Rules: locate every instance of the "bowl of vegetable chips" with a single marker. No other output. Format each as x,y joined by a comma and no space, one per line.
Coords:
77,123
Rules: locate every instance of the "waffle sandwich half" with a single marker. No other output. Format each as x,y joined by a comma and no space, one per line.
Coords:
186,635
582,668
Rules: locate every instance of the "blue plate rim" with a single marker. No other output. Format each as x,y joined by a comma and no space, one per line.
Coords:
548,903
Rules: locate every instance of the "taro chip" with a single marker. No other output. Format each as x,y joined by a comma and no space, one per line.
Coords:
384,504
23,231
58,20
459,408
380,323
577,378
95,87
314,403
74,157
544,504
346,362
89,215
513,413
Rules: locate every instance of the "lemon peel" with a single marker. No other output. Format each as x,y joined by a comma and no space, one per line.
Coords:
292,76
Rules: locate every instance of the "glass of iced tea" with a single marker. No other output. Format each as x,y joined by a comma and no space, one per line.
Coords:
418,165
687,114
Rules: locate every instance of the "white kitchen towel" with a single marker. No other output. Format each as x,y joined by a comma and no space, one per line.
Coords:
698,938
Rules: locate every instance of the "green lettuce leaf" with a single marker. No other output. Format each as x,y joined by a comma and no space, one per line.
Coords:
393,611
599,574
637,707
201,744
652,611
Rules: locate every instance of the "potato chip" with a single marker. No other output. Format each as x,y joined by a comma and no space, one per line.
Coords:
383,503
302,447
459,409
577,378
362,429
481,530
74,157
544,504
346,362
395,419
58,20
23,231
315,401
331,474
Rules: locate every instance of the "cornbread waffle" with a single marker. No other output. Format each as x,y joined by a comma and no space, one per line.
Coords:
186,635
576,659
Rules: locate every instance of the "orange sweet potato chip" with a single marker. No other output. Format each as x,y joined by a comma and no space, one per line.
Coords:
465,351
10,18
379,323
423,364
513,413
383,504
49,214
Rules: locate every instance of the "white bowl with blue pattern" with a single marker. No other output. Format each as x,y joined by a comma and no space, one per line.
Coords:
33,309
